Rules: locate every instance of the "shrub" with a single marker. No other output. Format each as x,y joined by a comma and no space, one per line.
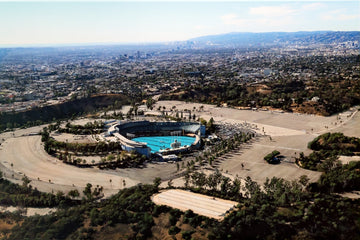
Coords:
187,234
174,230
270,158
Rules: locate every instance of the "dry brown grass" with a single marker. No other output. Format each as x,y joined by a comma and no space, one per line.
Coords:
118,232
6,225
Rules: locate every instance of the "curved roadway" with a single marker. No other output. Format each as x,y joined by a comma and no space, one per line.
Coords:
28,157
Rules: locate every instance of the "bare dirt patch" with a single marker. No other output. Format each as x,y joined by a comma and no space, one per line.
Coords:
28,211
347,159
201,204
5,226
290,121
352,195
71,138
252,157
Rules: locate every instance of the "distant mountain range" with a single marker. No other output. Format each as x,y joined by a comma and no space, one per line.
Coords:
235,39
277,38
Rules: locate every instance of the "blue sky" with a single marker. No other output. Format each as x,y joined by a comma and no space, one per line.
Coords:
61,22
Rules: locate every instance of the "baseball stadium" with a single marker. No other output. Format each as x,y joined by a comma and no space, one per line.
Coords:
163,138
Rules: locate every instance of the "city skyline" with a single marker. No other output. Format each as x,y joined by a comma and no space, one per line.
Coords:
83,22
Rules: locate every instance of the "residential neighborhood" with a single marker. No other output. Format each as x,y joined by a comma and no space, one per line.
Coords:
34,78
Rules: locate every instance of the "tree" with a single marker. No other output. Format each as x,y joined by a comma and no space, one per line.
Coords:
149,103
214,179
271,157
235,187
45,135
225,186
87,191
210,125
173,230
330,163
110,157
304,180
59,195
157,182
9,125
26,181
203,121
73,193
187,179
198,179
252,189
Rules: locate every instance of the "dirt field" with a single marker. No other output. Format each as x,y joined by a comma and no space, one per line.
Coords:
198,203
289,133
351,127
66,137
289,123
252,157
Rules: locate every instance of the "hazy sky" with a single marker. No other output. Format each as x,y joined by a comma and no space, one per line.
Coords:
45,22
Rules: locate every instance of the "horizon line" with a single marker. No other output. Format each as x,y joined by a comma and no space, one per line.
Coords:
88,44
